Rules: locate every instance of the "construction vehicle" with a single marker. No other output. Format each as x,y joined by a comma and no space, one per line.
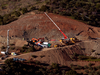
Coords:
65,40
40,40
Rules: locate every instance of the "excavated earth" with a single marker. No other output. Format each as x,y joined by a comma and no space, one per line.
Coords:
33,25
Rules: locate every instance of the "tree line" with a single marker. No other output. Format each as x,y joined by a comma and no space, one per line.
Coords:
87,11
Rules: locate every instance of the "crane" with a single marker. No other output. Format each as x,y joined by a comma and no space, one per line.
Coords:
65,37
66,40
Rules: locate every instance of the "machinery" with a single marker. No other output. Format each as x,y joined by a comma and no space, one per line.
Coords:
34,40
40,42
66,40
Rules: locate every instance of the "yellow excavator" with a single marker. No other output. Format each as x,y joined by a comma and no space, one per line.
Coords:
69,41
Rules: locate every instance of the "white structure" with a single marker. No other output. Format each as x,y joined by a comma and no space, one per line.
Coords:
7,41
2,52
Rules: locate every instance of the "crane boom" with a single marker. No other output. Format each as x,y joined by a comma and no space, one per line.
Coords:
65,37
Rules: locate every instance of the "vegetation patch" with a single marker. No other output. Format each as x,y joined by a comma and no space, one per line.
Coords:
3,47
84,10
12,67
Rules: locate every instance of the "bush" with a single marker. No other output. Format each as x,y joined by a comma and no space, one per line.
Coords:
24,10
31,49
87,71
32,8
37,62
85,67
90,64
44,8
22,50
98,67
3,47
93,57
83,57
63,72
71,72
71,65
24,47
79,67
90,74
54,65
17,14
90,68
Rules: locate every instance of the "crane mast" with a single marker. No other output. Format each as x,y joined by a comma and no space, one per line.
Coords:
7,41
65,37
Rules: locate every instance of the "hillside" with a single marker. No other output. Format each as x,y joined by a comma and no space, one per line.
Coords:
87,11
33,25
38,25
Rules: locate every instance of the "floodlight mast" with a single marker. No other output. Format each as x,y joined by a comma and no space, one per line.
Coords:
7,42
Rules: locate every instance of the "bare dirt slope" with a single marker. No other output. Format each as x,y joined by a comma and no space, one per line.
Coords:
39,25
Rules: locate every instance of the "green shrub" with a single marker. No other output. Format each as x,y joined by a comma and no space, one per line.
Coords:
22,50
63,72
24,10
3,47
37,62
71,65
31,49
87,71
32,8
85,67
43,8
98,67
90,73
90,68
79,67
83,57
54,65
17,13
93,57
24,47
90,64
71,72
